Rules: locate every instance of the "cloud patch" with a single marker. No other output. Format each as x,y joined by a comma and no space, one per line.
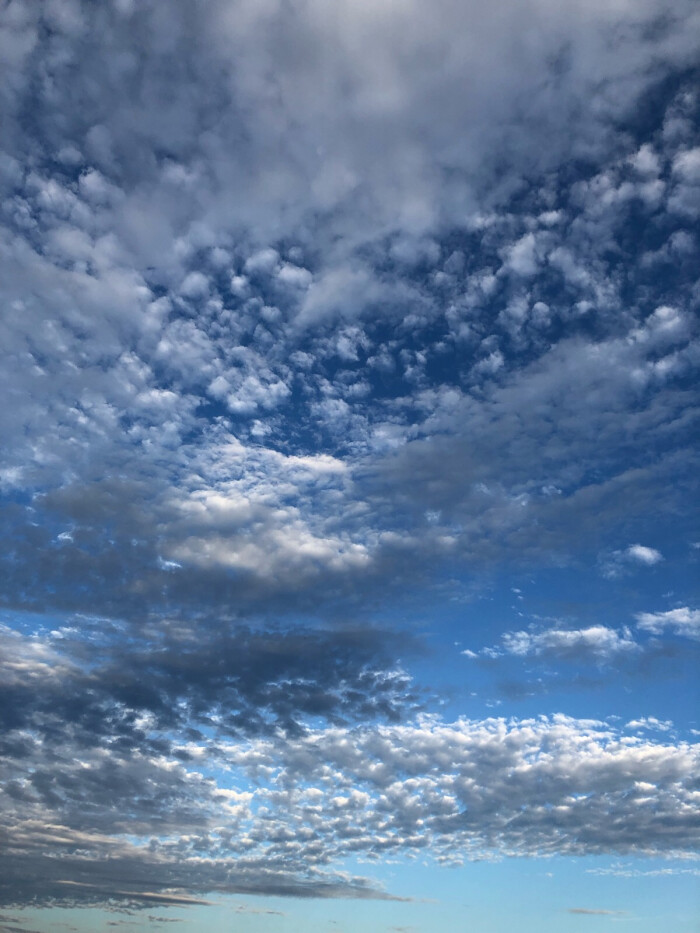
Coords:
273,814
683,621
624,561
596,643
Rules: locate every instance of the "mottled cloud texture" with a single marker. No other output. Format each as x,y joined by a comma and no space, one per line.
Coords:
307,309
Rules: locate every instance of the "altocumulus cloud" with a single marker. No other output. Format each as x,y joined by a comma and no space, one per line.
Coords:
453,790
304,308
207,360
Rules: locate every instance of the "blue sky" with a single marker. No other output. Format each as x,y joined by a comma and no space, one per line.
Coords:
349,465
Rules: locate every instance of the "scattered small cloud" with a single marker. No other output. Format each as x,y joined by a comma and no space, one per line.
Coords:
619,563
650,723
644,555
263,911
596,643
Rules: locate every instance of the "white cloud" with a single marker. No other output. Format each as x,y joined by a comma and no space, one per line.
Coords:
462,789
651,723
596,641
683,621
687,165
281,336
644,555
623,871
619,563
265,261
195,285
522,256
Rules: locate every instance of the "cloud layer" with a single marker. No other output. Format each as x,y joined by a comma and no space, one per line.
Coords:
312,313
448,790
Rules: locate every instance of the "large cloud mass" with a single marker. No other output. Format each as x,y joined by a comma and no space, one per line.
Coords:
306,306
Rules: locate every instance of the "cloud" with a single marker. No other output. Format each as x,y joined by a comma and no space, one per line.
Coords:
621,562
683,621
595,643
622,871
506,408
302,309
457,790
99,684
650,722
597,913
244,909
598,643
644,555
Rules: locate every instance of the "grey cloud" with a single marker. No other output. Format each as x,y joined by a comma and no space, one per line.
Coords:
530,430
276,812
142,882
522,458
279,78
301,302
104,685
461,789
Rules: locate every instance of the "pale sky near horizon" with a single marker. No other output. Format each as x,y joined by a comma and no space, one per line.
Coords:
350,545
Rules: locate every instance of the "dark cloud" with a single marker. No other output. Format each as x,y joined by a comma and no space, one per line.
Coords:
141,882
96,683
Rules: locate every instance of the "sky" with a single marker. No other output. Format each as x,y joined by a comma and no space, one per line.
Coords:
349,519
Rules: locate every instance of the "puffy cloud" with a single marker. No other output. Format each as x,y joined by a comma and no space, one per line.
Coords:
620,562
465,789
596,641
644,555
650,722
147,353
683,621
